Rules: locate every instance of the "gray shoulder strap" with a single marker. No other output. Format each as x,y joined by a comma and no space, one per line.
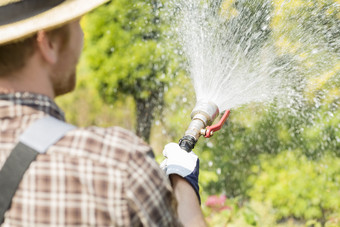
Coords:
36,139
44,132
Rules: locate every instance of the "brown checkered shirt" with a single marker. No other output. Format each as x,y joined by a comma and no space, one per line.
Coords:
91,177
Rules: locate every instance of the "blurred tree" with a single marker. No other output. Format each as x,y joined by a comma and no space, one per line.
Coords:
127,55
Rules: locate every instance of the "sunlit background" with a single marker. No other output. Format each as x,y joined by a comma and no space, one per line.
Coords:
275,64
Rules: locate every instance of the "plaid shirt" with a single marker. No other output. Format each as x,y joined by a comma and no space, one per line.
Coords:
91,177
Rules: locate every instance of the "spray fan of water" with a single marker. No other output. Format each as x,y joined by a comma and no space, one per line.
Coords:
232,59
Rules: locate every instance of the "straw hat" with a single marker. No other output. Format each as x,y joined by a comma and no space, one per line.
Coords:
22,18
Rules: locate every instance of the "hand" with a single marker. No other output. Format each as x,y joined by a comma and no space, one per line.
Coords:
185,164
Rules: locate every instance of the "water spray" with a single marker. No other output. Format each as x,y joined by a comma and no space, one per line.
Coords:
202,116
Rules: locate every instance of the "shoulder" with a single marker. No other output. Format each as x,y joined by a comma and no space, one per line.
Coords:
103,144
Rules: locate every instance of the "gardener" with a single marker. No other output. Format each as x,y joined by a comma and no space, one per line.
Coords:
53,174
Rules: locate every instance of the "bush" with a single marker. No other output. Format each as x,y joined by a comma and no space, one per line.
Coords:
298,187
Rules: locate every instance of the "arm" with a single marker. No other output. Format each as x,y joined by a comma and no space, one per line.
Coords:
183,169
188,209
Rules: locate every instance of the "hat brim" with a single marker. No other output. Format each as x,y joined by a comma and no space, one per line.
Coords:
57,16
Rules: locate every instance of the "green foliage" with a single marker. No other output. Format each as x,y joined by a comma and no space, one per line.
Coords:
127,55
247,214
299,187
124,50
254,130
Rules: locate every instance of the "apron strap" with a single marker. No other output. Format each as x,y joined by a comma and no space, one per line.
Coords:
35,140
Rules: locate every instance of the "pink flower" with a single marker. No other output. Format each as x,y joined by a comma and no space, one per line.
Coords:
217,202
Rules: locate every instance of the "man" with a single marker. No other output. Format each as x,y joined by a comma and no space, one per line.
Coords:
90,176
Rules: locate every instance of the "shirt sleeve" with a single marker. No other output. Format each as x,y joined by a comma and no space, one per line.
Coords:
150,198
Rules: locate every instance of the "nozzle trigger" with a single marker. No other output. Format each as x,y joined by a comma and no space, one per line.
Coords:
213,128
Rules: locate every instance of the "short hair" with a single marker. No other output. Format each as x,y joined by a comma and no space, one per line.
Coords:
13,56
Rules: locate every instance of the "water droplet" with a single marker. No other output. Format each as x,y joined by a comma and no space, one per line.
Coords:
218,171
210,163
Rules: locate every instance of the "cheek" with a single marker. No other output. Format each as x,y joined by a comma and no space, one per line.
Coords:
74,51
79,40
78,47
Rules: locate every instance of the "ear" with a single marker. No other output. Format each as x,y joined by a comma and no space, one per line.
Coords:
47,47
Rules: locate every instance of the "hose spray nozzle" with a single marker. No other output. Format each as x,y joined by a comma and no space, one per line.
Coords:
202,117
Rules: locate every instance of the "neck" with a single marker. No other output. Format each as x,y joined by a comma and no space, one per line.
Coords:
31,78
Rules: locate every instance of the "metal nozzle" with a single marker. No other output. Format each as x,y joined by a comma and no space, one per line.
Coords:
202,115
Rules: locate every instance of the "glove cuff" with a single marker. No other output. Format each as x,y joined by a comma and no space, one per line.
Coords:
193,180
177,169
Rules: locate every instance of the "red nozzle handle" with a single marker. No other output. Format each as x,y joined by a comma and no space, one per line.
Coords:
213,128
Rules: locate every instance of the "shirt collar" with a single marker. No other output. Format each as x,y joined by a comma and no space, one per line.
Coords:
8,102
